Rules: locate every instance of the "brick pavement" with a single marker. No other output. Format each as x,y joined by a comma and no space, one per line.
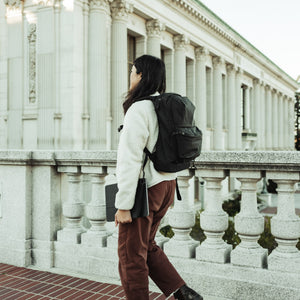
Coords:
23,284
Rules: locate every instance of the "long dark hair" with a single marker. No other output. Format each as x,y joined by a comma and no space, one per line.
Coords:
153,79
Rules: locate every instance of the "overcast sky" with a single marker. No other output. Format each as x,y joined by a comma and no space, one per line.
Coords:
272,26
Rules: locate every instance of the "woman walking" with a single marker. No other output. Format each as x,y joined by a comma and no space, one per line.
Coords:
139,256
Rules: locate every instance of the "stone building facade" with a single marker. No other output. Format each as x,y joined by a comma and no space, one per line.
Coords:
64,71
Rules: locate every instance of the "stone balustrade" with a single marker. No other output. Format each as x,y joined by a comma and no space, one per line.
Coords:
52,215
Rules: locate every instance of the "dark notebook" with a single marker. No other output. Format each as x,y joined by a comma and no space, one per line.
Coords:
141,205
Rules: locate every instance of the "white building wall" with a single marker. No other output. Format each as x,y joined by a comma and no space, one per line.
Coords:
64,74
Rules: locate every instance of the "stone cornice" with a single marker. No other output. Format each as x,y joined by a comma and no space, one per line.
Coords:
220,28
120,9
154,28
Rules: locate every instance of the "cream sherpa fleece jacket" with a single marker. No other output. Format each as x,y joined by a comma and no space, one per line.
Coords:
140,130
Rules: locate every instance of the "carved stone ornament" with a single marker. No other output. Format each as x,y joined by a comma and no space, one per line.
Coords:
154,28
120,9
46,2
180,41
32,62
201,53
102,5
13,3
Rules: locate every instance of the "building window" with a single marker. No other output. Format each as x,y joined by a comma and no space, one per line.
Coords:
131,53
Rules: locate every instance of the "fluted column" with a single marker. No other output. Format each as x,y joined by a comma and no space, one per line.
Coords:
218,143
169,63
154,29
95,210
262,108
275,119
268,116
180,42
280,122
119,73
291,108
97,73
182,219
15,56
238,99
201,55
3,77
214,220
249,224
286,123
247,109
257,121
72,209
285,226
232,107
46,78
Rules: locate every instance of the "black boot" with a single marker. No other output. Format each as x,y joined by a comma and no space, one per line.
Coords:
186,293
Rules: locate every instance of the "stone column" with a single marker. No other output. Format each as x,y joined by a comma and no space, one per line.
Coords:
285,226
119,69
214,220
95,211
218,143
247,109
97,73
238,81
57,113
180,42
257,121
154,29
46,77
182,219
286,123
249,223
291,113
201,55
262,115
232,107
3,77
72,209
15,80
268,116
71,85
280,122
275,119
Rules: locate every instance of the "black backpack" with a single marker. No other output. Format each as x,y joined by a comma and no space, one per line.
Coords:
179,140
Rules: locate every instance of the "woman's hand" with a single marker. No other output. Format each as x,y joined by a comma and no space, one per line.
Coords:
122,216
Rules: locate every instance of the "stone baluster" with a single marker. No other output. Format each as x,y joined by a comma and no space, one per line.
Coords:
72,209
285,226
249,223
214,220
182,219
95,210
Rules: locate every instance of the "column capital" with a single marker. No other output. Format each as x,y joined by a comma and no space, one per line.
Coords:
120,9
268,88
180,41
99,5
14,3
218,61
201,53
154,27
257,81
231,69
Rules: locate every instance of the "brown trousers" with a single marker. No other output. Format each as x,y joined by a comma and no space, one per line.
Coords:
139,256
